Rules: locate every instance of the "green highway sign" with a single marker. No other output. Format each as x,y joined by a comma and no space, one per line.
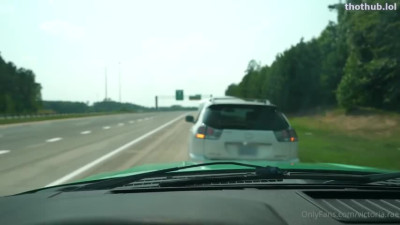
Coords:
195,97
179,94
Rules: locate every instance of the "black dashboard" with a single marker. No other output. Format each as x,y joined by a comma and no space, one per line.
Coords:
224,206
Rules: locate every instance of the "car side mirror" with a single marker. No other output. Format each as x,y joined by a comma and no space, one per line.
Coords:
189,119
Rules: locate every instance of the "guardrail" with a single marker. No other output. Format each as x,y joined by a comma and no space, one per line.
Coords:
28,116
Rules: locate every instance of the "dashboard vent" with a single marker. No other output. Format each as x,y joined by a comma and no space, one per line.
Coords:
358,206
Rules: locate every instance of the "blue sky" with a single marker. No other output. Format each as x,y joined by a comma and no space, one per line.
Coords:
161,45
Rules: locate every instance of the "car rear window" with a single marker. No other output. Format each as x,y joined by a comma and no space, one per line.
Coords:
245,117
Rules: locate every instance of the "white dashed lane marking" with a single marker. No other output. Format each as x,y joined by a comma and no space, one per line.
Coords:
111,153
86,132
54,139
4,151
106,128
121,124
131,121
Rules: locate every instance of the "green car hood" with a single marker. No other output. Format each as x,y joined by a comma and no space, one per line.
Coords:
282,165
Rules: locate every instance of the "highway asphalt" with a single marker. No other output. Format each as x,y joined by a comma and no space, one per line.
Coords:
38,154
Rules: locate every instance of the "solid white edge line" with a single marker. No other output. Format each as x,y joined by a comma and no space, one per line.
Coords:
4,151
54,139
110,154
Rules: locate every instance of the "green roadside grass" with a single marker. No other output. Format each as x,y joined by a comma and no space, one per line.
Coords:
321,140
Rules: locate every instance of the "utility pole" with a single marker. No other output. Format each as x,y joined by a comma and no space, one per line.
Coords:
119,66
156,99
105,99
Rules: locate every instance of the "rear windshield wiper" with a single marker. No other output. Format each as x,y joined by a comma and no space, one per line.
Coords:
269,172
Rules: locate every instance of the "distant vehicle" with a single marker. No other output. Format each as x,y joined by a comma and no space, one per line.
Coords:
234,128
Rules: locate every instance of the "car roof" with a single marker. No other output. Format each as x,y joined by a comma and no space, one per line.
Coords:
241,101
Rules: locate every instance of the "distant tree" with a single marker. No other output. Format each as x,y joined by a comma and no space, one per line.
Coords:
233,90
66,106
19,93
112,106
372,70
293,80
354,62
332,44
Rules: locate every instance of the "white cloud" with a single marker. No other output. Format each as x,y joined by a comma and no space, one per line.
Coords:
63,29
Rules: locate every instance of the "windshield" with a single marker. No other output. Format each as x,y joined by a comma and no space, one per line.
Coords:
89,88
245,117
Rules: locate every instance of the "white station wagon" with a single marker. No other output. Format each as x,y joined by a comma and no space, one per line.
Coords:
231,128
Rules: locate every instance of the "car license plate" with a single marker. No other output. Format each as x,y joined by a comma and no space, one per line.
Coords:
248,150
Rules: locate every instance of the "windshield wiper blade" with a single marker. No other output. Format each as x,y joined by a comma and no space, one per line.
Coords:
381,177
367,179
259,176
221,179
259,172
268,171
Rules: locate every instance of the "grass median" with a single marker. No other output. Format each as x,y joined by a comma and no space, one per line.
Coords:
365,140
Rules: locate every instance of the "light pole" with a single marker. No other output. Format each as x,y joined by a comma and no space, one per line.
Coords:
119,65
105,83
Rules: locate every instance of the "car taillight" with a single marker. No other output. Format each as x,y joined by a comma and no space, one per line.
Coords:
288,135
207,132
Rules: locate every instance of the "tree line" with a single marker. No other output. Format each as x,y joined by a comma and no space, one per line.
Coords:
19,92
104,106
354,62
